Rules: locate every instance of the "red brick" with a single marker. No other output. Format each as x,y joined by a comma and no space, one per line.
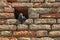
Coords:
24,33
8,38
13,38
4,38
6,15
7,9
54,33
2,21
50,16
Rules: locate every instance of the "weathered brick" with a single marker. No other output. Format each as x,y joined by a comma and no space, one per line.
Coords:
57,0
50,0
38,21
6,33
22,4
13,38
24,33
29,21
40,26
6,15
3,0
40,10
23,1
37,5
37,0
33,15
47,5
5,38
41,33
11,21
35,38
8,38
24,38
58,10
43,10
1,9
58,20
2,21
54,33
56,27
3,4
7,9
22,27
46,38
43,38
50,15
57,38
7,27
51,5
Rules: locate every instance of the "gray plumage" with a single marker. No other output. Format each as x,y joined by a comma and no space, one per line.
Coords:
21,17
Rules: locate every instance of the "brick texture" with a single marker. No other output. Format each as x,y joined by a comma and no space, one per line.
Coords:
38,21
39,27
6,15
41,33
24,33
42,23
54,33
7,27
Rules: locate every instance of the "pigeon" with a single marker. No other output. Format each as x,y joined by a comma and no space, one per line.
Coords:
21,17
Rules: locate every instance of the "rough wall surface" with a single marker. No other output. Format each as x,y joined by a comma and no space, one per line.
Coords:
43,22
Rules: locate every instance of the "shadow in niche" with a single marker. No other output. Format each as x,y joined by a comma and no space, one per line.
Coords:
19,10
11,1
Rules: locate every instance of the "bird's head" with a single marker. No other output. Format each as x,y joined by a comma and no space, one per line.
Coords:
21,14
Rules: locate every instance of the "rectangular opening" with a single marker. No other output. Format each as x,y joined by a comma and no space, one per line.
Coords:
19,10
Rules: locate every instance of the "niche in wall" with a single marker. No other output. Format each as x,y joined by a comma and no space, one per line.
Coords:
19,10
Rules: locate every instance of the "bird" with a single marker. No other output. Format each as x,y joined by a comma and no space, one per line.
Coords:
21,18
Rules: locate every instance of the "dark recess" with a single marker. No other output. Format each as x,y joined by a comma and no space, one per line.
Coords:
19,10
11,1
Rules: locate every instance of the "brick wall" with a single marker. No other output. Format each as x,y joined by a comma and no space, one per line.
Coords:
43,21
